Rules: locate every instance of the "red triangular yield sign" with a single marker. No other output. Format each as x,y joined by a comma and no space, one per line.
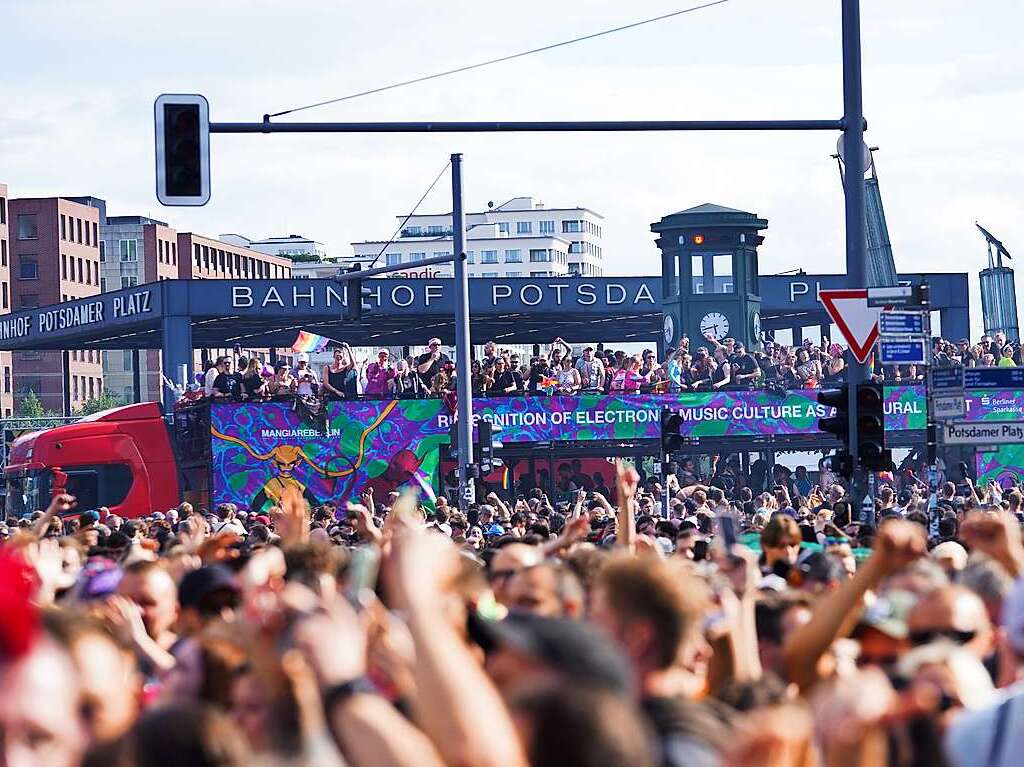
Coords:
857,321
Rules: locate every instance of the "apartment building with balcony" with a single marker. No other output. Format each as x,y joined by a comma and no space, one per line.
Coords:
54,256
520,238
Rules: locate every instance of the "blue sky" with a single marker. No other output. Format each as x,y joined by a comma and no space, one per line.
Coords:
943,95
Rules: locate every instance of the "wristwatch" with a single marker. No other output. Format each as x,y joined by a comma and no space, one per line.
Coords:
338,693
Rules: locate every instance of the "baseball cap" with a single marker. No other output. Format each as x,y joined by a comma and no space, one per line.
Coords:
953,551
571,648
197,585
90,517
888,614
303,357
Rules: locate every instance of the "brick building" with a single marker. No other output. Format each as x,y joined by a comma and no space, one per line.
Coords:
54,257
7,386
135,250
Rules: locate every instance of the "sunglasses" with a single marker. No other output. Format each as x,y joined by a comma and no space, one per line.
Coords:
832,541
927,636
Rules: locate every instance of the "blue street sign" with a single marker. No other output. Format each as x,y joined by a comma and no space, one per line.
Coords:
901,323
994,378
902,352
948,379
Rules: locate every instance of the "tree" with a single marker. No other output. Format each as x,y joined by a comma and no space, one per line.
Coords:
105,401
30,406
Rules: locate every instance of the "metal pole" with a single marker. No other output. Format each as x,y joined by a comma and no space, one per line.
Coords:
545,126
467,489
856,244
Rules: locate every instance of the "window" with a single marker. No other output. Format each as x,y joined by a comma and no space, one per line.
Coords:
540,255
697,275
722,266
393,259
575,247
81,271
513,274
3,252
435,229
103,251
63,227
74,387
470,256
547,227
63,266
417,256
160,251
103,284
488,256
7,379
489,274
128,250
441,253
126,359
538,274
197,256
88,238
78,231
28,384
29,300
514,256
129,282
572,226
3,210
28,228
524,227
28,268
414,231
92,388
503,227
6,302
95,237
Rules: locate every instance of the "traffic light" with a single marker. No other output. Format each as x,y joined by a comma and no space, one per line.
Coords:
357,297
838,424
488,445
671,425
871,452
182,149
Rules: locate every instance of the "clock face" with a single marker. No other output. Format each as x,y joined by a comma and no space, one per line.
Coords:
670,329
715,323
755,326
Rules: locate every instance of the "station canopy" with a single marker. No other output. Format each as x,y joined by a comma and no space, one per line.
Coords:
407,311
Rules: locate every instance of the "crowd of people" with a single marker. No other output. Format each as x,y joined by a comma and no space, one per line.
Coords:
709,366
725,618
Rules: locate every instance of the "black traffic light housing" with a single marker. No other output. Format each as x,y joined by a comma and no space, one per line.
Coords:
357,296
838,424
487,445
182,149
872,454
671,425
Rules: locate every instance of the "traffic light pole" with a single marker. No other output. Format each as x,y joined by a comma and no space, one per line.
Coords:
464,419
856,244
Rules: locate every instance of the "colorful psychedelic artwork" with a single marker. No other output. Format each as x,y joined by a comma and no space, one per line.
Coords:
1004,465
259,449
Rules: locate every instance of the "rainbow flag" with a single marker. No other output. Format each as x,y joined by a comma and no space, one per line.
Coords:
506,478
309,342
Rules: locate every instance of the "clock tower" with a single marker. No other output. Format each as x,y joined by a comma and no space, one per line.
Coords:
709,274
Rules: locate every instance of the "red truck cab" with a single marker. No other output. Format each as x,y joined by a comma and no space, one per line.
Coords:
120,458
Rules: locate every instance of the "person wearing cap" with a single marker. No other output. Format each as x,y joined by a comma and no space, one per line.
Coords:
431,362
745,370
206,595
379,375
